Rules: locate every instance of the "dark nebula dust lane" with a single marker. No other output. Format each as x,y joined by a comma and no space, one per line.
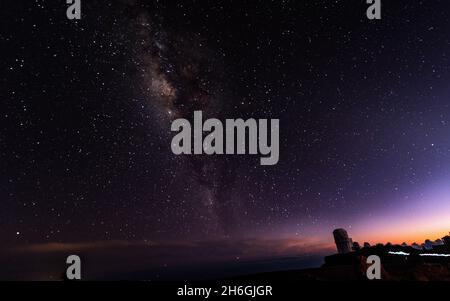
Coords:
178,74
87,106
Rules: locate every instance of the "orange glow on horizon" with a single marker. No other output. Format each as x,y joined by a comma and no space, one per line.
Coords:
399,232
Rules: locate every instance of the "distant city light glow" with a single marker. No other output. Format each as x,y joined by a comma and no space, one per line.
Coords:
424,254
399,253
435,255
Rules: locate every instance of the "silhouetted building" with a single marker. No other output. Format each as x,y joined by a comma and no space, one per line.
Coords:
438,242
343,242
356,246
428,245
446,240
416,246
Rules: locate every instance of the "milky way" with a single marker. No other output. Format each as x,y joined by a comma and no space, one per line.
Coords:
87,106
178,74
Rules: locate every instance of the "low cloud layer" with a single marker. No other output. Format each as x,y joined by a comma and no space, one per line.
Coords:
149,260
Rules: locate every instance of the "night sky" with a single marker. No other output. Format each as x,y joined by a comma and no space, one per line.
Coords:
364,110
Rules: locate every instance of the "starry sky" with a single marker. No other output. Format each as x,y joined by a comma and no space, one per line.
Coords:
364,110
